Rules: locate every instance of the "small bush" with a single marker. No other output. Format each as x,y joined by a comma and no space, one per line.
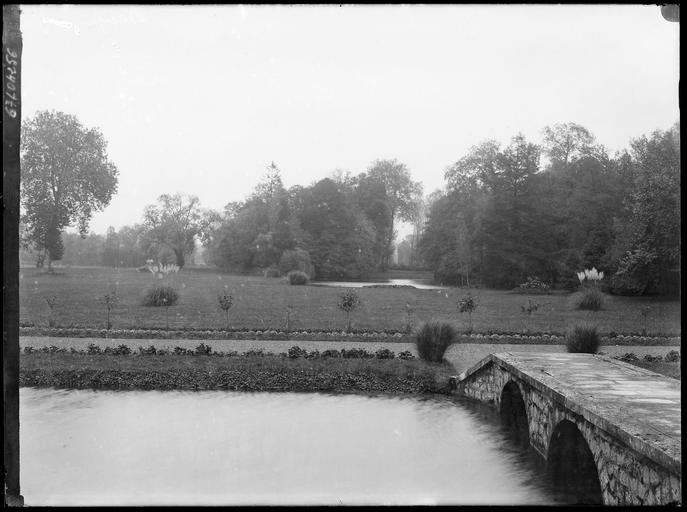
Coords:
150,351
181,351
355,353
433,339
28,350
406,354
672,357
272,272
629,357
651,359
162,295
203,350
296,352
534,284
590,299
385,353
92,348
582,339
121,350
296,277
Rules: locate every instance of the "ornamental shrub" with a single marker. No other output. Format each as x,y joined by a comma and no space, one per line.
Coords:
296,352
296,259
203,349
672,357
433,339
161,295
534,285
297,277
385,353
589,299
582,339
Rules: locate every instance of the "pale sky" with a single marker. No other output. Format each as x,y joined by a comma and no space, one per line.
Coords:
200,99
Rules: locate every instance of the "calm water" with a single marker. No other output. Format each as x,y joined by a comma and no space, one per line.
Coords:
422,284
226,448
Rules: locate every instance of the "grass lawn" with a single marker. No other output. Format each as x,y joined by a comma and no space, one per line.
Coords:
260,303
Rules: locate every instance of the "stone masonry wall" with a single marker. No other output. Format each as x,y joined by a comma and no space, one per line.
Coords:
626,477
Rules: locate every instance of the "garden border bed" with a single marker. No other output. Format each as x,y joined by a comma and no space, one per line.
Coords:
333,335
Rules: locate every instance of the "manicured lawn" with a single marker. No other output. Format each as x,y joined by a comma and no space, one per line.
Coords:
260,303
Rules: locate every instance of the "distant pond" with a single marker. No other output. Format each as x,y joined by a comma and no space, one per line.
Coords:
422,284
82,447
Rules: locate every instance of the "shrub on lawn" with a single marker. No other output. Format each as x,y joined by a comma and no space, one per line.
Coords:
296,259
385,353
297,277
162,295
406,354
203,350
433,339
582,339
672,357
92,348
296,352
348,302
590,299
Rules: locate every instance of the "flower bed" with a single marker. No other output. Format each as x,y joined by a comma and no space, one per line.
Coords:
251,371
334,335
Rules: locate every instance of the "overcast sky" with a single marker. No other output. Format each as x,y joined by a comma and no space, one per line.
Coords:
200,99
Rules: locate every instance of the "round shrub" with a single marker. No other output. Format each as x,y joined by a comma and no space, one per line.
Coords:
385,353
582,339
296,259
590,299
433,339
296,277
162,295
673,356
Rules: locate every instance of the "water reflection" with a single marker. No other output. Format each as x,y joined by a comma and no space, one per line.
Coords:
421,284
230,448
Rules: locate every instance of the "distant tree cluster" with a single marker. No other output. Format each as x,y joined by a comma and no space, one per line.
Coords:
505,217
335,228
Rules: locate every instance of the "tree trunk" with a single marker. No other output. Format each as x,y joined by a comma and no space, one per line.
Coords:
180,257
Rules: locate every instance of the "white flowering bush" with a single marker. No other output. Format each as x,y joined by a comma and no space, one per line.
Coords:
590,276
590,298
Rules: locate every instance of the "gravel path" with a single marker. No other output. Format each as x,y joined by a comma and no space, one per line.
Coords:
462,355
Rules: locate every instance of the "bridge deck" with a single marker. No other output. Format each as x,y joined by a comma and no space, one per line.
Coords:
640,407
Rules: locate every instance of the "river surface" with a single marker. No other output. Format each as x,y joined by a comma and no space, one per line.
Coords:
421,284
83,447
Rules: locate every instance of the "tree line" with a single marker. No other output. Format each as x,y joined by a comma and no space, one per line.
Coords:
505,216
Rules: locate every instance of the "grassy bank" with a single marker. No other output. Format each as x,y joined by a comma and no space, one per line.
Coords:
260,304
244,373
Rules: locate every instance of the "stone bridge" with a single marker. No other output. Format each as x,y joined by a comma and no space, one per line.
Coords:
610,432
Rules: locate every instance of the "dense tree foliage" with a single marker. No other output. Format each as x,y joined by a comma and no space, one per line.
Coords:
173,223
339,227
505,216
66,177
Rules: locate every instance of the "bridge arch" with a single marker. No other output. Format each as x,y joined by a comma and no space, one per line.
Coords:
513,413
571,465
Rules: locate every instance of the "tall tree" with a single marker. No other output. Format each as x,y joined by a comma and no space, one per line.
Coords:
174,223
66,177
564,143
401,192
